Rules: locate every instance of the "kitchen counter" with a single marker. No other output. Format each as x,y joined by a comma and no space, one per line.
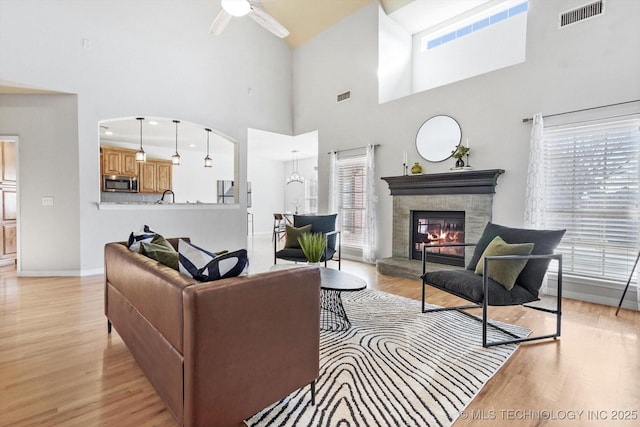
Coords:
118,206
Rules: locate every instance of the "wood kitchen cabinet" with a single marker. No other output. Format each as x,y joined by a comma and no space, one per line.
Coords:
119,161
8,162
155,176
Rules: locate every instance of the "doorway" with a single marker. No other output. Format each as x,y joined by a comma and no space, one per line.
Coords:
8,201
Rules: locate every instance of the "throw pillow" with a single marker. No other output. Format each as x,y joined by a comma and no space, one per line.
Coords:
545,242
136,237
158,239
504,272
293,233
230,264
162,254
204,266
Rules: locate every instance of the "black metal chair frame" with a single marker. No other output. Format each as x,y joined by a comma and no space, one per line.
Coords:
484,305
330,233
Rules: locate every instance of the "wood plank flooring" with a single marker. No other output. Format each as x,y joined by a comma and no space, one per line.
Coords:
58,366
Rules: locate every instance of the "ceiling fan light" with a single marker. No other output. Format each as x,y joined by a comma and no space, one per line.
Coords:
236,7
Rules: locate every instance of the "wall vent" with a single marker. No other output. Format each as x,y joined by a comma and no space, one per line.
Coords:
582,13
344,96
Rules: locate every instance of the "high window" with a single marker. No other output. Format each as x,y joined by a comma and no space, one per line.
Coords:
592,190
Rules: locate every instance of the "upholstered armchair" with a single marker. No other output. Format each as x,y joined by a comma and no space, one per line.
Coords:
508,267
325,224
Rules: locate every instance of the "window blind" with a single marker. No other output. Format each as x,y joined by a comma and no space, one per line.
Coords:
352,195
592,190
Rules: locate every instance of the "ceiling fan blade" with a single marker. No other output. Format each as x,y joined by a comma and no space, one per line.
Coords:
268,22
220,22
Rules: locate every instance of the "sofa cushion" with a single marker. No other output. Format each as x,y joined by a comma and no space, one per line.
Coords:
293,233
545,242
205,266
504,272
144,235
161,253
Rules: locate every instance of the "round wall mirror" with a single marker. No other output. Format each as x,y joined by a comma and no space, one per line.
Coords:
437,138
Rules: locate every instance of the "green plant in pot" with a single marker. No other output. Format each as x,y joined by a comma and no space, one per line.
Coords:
313,245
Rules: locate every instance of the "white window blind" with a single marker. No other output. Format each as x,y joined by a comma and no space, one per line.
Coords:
592,190
352,195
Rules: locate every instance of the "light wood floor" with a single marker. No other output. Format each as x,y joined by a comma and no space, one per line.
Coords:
58,366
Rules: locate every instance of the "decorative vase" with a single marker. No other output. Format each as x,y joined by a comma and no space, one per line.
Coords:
460,163
416,168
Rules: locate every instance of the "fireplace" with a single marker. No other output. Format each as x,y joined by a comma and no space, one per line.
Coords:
438,227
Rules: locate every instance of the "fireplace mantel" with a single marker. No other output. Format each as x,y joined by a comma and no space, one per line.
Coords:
461,182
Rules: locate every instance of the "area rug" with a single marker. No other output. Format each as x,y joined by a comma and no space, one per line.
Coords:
394,366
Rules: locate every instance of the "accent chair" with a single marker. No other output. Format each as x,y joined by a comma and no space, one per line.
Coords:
325,224
508,267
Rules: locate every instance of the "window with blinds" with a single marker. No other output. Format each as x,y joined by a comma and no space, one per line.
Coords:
352,196
592,190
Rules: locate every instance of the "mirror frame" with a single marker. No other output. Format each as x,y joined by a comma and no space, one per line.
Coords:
426,141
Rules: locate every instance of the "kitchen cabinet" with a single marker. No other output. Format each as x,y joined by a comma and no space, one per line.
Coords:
8,162
119,161
155,176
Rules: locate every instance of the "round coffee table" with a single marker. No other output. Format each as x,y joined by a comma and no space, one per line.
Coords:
333,317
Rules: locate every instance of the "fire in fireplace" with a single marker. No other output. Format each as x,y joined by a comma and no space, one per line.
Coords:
438,227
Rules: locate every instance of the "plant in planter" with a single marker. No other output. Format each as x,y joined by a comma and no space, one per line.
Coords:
313,245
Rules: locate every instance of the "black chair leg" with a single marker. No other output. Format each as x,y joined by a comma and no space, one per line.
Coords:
313,393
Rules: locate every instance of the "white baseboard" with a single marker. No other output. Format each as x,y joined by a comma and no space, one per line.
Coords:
60,273
595,291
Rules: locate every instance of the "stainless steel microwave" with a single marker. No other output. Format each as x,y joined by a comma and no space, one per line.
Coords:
120,183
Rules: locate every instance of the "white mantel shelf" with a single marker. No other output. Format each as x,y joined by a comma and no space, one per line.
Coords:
135,206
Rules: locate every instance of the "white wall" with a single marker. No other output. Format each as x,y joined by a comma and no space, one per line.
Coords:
140,58
581,66
394,59
267,191
294,193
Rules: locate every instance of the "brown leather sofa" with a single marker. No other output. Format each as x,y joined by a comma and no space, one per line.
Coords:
216,352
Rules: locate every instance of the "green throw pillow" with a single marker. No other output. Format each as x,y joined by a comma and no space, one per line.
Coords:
292,235
504,272
160,253
159,240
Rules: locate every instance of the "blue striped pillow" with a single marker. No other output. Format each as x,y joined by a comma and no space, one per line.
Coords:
206,266
136,237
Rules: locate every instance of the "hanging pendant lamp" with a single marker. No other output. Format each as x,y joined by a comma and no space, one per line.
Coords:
175,159
208,162
141,156
295,176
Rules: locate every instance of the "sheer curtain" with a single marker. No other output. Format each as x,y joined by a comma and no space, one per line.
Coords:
369,250
534,211
333,183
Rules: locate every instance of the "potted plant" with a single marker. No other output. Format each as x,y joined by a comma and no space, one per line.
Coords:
458,154
313,245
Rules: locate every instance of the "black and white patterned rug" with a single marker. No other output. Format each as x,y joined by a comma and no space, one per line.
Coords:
395,366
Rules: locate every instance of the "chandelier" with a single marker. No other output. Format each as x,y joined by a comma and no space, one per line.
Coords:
295,176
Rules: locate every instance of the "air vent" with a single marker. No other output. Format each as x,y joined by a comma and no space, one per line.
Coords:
344,96
582,13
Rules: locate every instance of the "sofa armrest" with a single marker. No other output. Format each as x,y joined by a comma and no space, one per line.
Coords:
249,341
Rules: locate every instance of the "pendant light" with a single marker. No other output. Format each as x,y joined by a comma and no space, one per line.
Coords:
208,162
175,159
141,156
295,176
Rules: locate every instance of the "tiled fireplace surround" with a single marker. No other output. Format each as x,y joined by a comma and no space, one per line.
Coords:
468,191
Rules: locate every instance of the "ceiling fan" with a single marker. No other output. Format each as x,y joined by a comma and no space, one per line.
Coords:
231,8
